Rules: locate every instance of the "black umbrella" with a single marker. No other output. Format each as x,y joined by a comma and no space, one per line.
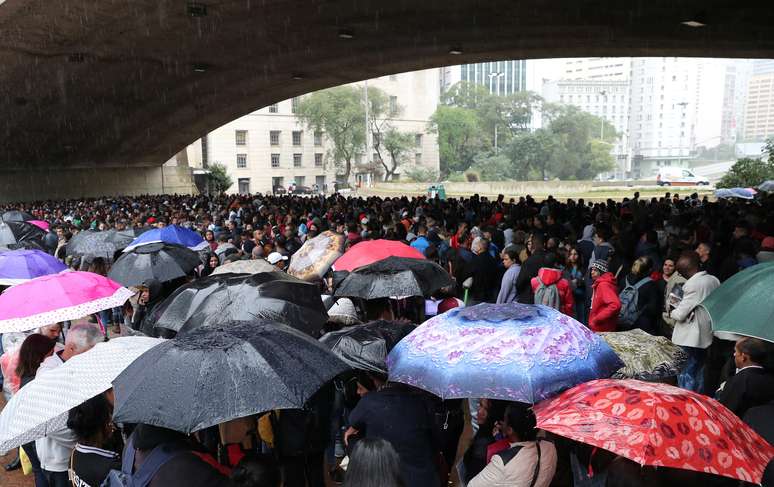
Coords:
162,262
365,347
16,234
222,373
217,298
395,277
91,244
16,216
122,238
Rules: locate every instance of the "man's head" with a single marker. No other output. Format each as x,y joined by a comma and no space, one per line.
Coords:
688,264
51,331
750,351
741,229
80,339
703,250
519,424
278,260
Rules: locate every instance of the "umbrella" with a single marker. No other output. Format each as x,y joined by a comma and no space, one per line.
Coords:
645,357
659,425
767,186
742,305
43,225
365,347
742,193
316,256
172,235
395,276
157,261
16,234
58,297
16,216
41,406
17,266
91,244
267,295
123,238
515,352
252,266
222,373
370,251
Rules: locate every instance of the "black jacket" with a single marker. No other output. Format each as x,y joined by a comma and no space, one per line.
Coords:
750,387
486,278
529,269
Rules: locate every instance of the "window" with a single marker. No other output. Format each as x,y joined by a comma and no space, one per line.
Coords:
393,104
418,158
300,180
241,161
296,137
358,158
275,160
241,137
274,108
317,138
294,104
318,160
376,157
296,160
244,185
418,140
274,137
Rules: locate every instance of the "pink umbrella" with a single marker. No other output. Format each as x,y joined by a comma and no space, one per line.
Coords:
58,297
40,224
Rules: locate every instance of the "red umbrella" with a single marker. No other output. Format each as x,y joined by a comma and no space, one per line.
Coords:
371,251
658,425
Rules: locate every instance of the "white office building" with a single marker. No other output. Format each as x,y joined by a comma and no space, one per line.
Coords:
271,147
597,68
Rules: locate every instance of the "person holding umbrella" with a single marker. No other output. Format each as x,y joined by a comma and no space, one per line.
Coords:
91,461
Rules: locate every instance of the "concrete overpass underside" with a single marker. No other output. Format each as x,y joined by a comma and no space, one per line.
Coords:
112,86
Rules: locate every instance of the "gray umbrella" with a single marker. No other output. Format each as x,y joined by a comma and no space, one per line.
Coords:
16,216
395,277
91,244
217,374
17,235
158,261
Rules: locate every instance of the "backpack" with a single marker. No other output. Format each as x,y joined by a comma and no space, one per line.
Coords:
547,295
143,476
629,297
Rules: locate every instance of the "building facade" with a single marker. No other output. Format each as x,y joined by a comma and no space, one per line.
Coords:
607,99
759,109
597,68
500,77
272,148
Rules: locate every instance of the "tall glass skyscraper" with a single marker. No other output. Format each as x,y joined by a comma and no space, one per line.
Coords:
500,77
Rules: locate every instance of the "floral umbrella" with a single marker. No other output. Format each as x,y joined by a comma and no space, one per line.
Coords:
316,256
645,357
515,352
658,425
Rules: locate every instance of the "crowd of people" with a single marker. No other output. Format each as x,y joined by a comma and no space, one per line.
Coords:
614,266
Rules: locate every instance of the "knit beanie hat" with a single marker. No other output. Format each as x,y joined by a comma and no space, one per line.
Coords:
600,265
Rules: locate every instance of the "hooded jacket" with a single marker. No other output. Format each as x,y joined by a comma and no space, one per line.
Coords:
549,276
605,304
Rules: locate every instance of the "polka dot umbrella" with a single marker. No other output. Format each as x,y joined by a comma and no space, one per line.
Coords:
658,425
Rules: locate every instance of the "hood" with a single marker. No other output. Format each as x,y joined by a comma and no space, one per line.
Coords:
154,287
606,277
549,276
588,233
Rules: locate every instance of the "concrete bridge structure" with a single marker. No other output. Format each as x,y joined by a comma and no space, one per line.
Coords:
96,95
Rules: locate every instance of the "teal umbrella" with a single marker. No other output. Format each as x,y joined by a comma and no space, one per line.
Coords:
742,305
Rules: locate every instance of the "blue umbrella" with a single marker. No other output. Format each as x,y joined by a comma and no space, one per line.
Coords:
742,193
515,352
173,235
17,266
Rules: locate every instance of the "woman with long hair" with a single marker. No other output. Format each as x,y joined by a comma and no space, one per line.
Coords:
574,272
639,285
373,463
93,427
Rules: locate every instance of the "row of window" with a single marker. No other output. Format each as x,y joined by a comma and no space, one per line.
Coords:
240,137
241,160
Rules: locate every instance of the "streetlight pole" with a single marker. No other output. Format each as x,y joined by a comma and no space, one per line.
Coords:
492,76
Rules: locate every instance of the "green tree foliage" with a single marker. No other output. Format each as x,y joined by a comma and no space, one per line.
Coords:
420,174
218,179
493,167
459,137
749,172
340,114
397,145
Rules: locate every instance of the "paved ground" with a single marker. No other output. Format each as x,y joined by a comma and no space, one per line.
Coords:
12,479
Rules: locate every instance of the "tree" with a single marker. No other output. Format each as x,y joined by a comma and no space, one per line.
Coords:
748,172
493,167
420,174
578,153
218,179
532,153
459,137
397,145
390,145
339,113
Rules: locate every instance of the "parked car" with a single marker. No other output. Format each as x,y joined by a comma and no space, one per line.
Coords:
302,190
677,176
279,190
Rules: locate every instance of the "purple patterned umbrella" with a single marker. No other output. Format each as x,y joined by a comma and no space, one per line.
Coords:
515,352
17,266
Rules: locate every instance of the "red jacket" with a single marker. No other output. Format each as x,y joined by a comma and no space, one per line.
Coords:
554,276
605,304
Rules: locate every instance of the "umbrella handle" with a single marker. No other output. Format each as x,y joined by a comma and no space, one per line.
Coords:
465,297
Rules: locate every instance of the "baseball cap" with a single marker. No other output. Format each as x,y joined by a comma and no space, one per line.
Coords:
275,257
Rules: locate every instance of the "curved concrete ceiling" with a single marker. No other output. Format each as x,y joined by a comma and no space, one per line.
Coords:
131,82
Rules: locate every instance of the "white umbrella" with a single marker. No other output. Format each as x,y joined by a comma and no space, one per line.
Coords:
253,266
41,407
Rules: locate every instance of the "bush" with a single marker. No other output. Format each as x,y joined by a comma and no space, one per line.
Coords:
218,178
748,173
420,174
472,176
456,177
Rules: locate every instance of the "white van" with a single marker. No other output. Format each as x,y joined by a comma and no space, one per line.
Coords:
677,176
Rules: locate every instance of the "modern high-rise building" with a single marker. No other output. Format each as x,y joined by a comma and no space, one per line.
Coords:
607,99
597,68
759,109
500,77
271,147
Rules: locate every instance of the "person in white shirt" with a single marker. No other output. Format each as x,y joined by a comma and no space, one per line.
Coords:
54,449
693,328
